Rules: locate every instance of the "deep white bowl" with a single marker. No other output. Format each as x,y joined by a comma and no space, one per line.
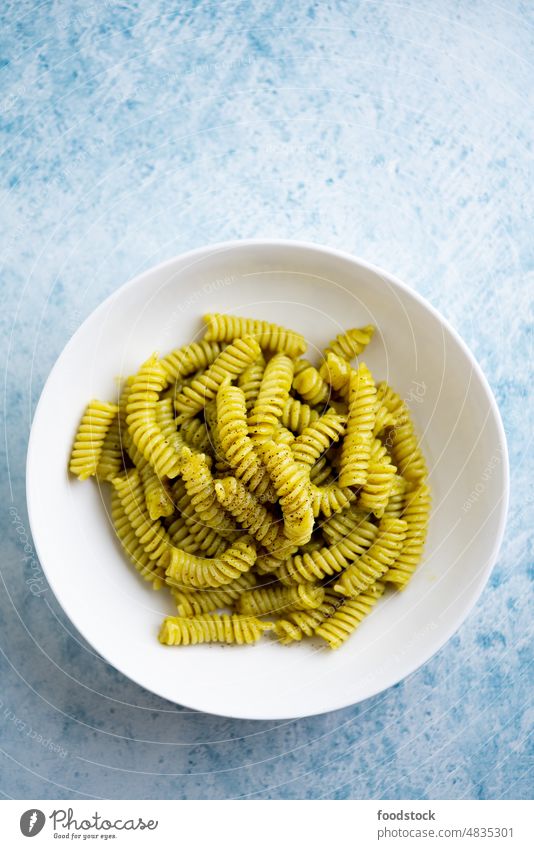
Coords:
319,292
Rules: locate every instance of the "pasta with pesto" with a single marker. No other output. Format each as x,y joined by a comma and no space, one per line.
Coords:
263,492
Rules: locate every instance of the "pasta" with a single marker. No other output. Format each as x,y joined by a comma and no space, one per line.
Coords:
317,438
415,514
190,358
89,439
338,627
330,498
330,559
264,526
212,425
237,445
297,624
188,570
127,537
111,459
397,493
141,419
272,396
373,565
271,337
275,599
356,448
207,540
339,525
212,628
192,603
311,387
351,344
158,498
374,495
401,440
297,416
321,472
284,435
196,436
230,363
200,487
250,381
151,534
248,482
292,486
336,371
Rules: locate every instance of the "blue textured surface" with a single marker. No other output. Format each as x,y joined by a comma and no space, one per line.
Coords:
133,131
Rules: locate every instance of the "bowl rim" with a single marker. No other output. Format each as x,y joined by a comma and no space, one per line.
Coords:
345,256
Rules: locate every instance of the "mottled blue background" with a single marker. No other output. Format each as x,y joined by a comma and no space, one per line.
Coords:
401,131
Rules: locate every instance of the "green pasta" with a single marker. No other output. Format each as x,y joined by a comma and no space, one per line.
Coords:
249,482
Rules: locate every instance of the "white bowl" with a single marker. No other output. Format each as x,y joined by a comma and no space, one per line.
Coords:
319,292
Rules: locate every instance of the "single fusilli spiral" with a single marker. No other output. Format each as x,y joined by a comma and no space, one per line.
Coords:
383,419
375,493
272,396
166,421
400,439
190,358
351,344
231,362
89,440
373,565
270,337
212,628
340,625
292,485
188,570
237,445
321,472
356,447
416,514
284,435
403,444
141,419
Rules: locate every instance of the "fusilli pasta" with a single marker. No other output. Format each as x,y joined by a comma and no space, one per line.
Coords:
212,628
356,447
270,337
90,436
243,501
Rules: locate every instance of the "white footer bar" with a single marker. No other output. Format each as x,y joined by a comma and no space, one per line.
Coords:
269,824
